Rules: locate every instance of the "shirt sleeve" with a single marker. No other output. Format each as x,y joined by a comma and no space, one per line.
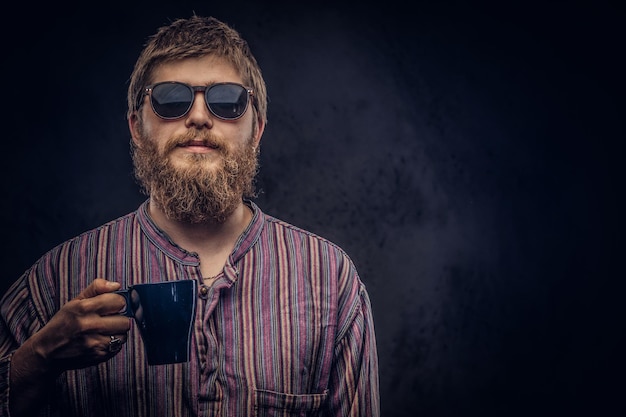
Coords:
354,386
18,321
5,363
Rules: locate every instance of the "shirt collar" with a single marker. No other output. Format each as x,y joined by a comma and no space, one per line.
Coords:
162,241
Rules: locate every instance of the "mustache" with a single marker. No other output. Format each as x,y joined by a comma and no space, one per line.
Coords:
204,138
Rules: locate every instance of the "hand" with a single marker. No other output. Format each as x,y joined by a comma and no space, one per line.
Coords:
78,335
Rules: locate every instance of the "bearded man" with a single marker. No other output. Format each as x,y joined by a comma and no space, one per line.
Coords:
283,324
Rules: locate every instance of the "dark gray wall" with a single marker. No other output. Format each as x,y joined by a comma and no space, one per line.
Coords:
467,158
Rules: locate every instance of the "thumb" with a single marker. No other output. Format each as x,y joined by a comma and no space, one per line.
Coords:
97,287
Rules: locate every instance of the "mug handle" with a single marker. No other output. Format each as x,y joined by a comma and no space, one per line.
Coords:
128,311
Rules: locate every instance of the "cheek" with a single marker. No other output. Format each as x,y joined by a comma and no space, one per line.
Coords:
248,127
148,140
154,131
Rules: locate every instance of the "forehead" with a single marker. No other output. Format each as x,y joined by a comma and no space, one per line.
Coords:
203,70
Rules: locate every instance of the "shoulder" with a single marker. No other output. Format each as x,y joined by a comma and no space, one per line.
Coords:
322,257
88,241
294,233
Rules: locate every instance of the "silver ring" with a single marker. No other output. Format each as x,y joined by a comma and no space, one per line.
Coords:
115,344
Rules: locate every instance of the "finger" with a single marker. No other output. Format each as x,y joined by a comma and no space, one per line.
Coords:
97,287
107,304
91,351
117,324
114,324
100,305
104,324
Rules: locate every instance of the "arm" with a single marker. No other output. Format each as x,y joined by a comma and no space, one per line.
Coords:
76,336
354,387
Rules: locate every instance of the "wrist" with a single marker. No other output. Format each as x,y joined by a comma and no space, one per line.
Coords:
30,379
30,361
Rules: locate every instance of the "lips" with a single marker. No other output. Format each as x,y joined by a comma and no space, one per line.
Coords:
202,143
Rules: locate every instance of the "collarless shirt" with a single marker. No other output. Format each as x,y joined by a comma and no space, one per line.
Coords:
286,329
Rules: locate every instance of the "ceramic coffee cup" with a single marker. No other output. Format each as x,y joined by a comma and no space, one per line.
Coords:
164,313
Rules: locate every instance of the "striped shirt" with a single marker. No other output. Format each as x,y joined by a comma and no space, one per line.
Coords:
285,330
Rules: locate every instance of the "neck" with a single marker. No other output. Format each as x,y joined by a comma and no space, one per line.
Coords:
212,241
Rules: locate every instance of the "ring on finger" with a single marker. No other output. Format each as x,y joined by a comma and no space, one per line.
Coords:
115,344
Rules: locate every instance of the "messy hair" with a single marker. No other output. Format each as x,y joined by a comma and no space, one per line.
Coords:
196,37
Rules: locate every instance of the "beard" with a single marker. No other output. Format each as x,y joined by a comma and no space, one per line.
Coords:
196,192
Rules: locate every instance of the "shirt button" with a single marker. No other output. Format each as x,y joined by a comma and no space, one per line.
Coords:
204,290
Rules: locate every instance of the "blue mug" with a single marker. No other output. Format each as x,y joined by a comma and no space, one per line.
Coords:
164,313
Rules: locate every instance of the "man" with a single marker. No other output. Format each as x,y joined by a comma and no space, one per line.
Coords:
283,324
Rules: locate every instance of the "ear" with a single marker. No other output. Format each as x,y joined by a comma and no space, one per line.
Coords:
260,128
134,123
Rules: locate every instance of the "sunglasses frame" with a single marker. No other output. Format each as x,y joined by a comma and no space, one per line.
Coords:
199,88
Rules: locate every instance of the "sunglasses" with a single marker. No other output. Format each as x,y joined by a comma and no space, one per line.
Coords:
172,100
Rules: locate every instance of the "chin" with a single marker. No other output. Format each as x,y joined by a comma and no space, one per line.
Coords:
188,160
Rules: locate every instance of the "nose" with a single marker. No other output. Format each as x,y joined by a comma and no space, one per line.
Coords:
199,115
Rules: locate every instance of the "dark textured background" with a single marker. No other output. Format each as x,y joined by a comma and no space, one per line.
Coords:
469,159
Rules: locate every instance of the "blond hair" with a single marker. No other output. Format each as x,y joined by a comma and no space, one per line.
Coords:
195,37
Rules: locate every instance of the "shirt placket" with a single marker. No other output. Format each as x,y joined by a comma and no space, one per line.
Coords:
210,393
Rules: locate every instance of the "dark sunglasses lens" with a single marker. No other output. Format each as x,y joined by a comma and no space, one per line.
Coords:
171,100
228,101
